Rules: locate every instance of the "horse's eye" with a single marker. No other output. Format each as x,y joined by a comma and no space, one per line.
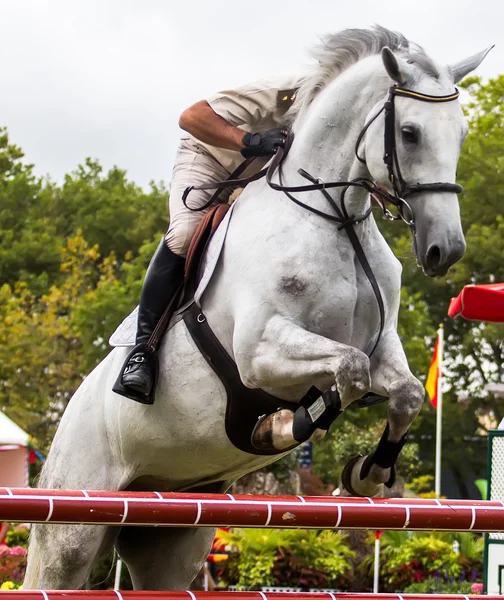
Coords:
410,134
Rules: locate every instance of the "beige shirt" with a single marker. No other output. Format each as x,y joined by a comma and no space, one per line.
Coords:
257,107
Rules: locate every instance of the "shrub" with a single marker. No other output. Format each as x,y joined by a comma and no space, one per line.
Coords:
293,558
18,536
408,558
436,585
419,558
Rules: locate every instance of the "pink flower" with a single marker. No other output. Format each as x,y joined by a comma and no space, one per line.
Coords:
477,588
15,551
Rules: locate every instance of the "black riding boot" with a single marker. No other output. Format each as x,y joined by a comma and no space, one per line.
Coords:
163,278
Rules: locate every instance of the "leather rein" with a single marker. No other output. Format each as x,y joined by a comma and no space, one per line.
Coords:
341,217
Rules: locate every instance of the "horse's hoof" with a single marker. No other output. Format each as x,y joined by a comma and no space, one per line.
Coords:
274,432
354,485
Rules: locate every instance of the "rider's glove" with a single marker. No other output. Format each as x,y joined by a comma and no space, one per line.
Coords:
264,144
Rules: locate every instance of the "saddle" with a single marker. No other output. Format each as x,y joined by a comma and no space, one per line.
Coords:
207,227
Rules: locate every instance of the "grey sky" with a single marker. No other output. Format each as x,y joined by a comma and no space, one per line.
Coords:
109,78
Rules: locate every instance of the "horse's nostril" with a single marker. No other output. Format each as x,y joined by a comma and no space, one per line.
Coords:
433,257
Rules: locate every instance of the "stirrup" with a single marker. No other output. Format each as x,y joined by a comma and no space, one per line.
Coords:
127,392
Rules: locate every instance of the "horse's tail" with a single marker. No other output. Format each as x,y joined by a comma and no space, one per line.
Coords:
31,578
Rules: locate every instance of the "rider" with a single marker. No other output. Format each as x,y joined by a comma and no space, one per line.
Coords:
244,122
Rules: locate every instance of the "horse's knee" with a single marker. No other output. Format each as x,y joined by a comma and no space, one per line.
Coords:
406,399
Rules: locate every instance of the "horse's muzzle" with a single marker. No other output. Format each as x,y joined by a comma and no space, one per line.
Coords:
438,259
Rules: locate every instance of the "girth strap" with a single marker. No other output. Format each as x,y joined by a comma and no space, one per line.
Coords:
244,405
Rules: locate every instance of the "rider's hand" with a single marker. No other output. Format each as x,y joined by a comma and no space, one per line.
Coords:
264,144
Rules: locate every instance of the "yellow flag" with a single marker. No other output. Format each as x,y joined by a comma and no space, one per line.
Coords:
431,385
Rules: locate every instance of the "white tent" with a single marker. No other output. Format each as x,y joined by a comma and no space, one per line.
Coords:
14,454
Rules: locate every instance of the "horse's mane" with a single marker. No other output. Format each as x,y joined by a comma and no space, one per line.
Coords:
339,51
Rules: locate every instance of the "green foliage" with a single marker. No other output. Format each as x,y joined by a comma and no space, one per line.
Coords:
45,349
72,261
470,553
17,536
436,585
419,557
421,484
295,558
112,212
407,558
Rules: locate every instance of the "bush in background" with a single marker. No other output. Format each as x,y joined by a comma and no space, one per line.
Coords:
290,558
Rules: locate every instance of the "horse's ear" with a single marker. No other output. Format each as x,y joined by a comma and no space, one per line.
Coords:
391,65
459,70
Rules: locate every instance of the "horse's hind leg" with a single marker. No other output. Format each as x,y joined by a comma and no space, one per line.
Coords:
164,558
366,476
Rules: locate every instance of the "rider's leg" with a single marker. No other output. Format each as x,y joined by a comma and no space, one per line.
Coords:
163,278
166,271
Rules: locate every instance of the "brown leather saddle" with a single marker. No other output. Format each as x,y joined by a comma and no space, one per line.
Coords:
207,227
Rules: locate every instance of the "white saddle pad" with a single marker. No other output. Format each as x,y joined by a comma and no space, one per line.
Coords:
125,334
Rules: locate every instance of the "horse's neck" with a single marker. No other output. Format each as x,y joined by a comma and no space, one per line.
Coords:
326,134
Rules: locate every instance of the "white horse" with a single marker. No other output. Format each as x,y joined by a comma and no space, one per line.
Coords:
289,301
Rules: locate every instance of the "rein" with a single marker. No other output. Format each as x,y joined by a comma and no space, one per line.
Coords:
340,216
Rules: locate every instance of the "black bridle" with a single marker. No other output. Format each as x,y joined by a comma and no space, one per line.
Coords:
340,216
400,187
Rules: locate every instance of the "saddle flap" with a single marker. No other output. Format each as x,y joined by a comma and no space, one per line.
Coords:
206,228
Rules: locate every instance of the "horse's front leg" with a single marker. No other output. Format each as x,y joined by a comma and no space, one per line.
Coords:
391,376
287,360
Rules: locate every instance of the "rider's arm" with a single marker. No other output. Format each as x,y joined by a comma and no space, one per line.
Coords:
204,124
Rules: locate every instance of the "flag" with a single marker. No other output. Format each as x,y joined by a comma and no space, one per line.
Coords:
431,385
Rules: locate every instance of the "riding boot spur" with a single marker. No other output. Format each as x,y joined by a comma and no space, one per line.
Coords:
162,280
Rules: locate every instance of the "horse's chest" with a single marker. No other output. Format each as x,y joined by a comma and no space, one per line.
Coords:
337,299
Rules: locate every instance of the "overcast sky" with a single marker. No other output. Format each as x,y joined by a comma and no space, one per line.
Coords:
109,78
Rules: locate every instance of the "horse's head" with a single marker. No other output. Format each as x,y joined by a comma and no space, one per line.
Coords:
428,127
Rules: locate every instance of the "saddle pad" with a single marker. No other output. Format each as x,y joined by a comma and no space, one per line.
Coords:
125,334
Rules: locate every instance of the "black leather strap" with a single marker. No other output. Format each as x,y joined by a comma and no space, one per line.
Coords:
244,406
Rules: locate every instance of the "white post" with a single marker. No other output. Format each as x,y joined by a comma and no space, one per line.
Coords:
205,577
439,412
117,580
376,575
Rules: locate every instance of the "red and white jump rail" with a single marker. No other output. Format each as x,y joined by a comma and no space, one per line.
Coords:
115,595
214,510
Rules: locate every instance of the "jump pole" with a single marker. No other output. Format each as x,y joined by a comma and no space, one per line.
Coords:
226,510
131,595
